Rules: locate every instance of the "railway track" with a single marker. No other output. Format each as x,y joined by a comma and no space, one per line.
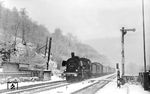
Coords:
30,89
93,88
46,86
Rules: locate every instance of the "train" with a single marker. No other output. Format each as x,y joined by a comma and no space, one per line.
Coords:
79,68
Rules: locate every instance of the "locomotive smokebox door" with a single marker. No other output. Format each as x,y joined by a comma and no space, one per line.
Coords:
64,63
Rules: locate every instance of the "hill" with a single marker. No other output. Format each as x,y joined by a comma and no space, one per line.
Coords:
17,28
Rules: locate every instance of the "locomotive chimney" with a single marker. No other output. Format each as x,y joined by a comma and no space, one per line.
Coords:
72,54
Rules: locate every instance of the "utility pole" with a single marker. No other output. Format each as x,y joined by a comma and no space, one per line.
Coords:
145,73
124,31
49,52
144,36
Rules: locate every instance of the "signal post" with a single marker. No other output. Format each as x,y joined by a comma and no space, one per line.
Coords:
124,31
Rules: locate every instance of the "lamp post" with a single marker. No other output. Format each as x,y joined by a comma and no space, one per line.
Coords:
124,31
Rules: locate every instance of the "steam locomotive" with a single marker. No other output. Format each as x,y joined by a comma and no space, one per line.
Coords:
78,69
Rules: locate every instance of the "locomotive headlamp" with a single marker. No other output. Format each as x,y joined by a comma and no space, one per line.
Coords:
75,74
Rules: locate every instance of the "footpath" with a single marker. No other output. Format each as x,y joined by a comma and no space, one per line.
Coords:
128,88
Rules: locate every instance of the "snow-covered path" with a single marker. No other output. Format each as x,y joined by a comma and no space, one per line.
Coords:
111,88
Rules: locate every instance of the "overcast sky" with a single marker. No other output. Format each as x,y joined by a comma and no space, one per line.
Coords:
86,19
96,22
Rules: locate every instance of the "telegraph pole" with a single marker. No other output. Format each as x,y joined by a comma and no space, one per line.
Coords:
145,74
124,31
144,36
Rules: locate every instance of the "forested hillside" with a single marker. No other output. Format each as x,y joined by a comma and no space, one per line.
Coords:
16,24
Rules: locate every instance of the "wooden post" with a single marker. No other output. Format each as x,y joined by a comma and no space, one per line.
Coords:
49,52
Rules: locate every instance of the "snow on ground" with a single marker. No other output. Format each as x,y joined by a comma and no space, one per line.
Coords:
53,78
56,78
111,88
68,89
